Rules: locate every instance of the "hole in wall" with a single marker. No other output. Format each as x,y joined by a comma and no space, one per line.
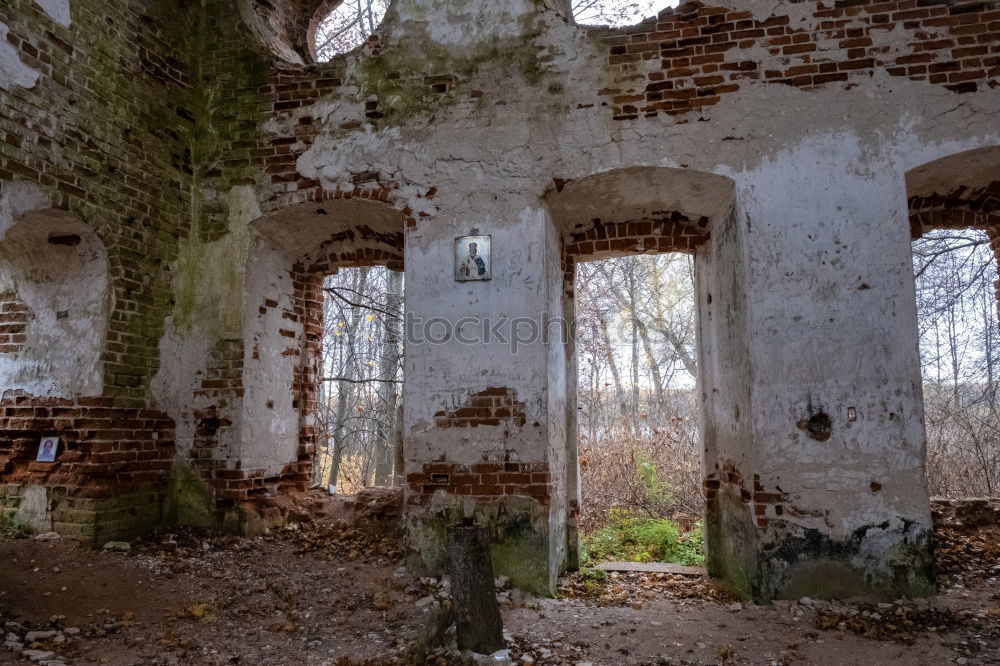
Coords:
957,285
359,405
637,426
64,239
346,27
617,13
818,426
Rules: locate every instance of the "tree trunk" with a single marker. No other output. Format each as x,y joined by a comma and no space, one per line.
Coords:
651,362
346,387
610,357
477,614
389,371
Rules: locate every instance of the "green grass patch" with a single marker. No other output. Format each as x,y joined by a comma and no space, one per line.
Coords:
630,539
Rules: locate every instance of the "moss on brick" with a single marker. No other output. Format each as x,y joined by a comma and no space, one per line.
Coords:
189,499
518,535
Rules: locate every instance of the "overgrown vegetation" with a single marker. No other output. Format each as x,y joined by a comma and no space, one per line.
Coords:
627,538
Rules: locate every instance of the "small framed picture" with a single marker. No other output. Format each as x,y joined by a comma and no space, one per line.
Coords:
473,258
47,449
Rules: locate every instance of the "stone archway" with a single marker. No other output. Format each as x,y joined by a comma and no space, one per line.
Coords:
254,431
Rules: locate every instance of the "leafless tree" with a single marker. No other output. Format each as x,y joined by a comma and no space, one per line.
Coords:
616,12
348,26
359,406
959,351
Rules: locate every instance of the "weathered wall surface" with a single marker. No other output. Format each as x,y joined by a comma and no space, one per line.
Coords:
469,116
816,112
92,202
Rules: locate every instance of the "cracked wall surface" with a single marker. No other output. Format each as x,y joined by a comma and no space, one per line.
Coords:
785,144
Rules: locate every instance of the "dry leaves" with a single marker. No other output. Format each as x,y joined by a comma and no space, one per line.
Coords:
899,623
626,588
970,556
341,541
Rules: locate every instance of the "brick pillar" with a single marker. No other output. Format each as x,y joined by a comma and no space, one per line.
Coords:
485,421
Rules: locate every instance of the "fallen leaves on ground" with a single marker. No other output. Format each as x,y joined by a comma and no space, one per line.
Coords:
626,588
340,540
897,623
968,556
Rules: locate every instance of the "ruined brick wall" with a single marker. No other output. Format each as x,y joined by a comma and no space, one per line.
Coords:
490,479
117,81
704,52
14,318
108,480
492,407
103,133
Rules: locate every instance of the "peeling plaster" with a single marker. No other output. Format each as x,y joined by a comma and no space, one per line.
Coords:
13,72
58,11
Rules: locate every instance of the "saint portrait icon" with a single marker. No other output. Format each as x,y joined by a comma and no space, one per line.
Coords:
473,258
47,449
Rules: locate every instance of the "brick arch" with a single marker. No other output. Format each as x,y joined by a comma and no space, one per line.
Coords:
958,191
635,210
59,359
294,248
366,188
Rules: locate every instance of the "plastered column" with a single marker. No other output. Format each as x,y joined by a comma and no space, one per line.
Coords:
485,394
819,487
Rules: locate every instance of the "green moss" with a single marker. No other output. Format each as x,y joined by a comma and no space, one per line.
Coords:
731,544
518,534
189,499
806,562
396,76
631,539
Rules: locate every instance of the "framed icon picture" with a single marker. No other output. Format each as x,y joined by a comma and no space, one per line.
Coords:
473,258
47,449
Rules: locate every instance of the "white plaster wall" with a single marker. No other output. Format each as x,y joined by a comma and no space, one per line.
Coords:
446,374
13,72
724,375
209,282
67,289
821,210
835,328
269,425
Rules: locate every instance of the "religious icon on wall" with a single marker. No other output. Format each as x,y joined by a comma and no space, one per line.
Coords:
473,258
47,449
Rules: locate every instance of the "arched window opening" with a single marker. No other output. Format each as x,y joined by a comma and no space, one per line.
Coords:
359,409
347,27
617,13
55,296
956,278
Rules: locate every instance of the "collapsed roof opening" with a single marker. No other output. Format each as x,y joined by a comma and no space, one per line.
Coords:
346,27
617,13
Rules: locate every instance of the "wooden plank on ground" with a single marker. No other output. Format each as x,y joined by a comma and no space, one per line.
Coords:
653,567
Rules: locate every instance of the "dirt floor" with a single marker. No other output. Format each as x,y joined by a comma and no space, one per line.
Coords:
334,594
